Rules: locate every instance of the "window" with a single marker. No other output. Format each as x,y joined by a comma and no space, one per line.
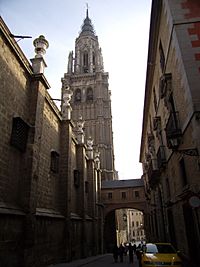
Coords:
86,187
137,223
93,58
133,233
162,57
76,178
123,195
19,135
137,194
132,223
78,95
85,62
54,161
109,195
89,95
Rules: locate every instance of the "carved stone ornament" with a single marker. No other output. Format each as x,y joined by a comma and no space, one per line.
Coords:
80,125
67,95
90,143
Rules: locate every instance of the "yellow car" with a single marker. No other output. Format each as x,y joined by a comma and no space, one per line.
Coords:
159,255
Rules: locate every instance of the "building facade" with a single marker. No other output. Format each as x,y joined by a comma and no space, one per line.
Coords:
91,96
50,176
135,226
170,142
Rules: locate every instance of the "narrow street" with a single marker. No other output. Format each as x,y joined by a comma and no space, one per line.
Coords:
100,261
107,261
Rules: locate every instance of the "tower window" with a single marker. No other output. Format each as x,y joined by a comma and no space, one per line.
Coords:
89,94
85,62
93,61
93,58
78,95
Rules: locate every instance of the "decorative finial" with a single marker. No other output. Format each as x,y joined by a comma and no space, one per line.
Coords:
41,44
38,63
66,110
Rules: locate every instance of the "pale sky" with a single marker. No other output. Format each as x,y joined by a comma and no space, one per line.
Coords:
122,28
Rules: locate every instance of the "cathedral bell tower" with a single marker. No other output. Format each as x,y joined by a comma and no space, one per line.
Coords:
91,97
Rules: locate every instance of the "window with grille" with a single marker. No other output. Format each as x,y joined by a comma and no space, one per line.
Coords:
54,162
19,135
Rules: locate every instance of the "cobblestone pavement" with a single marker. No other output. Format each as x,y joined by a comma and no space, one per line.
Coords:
105,260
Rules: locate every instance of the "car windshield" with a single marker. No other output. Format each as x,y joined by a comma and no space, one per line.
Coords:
160,248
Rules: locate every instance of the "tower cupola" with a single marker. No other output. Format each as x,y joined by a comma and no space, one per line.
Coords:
87,27
88,57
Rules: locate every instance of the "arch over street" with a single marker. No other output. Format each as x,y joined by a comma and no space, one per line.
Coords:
121,194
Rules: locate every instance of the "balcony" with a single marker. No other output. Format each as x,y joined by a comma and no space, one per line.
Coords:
161,158
153,173
165,84
173,131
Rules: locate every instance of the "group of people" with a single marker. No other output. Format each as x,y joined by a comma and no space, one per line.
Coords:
119,252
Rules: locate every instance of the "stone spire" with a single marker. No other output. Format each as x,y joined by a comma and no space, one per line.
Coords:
87,27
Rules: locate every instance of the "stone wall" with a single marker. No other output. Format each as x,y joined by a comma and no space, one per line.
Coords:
42,212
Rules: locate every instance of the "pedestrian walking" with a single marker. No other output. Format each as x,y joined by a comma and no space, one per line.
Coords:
130,253
115,253
121,252
134,248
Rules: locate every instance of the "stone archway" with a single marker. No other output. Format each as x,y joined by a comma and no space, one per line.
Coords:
111,231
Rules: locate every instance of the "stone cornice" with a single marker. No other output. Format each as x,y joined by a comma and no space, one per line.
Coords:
14,46
153,41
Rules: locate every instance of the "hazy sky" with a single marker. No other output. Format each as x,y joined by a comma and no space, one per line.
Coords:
123,32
